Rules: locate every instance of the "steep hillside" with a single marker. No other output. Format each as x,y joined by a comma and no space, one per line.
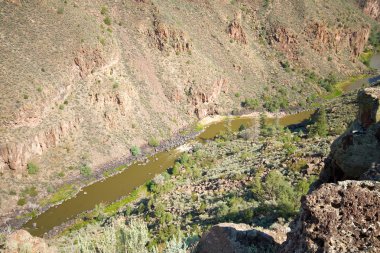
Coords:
84,81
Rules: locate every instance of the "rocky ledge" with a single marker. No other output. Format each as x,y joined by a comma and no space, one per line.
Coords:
339,214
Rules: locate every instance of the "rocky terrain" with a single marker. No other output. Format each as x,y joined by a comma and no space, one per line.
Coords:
258,178
338,214
84,82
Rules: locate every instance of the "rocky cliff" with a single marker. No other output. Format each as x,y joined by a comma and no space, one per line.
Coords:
371,8
357,150
338,214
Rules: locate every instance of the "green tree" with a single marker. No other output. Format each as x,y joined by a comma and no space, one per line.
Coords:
319,128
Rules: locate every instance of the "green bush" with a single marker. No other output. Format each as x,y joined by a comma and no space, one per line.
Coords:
104,10
319,128
374,38
153,142
135,150
21,202
107,20
32,168
85,171
250,103
117,237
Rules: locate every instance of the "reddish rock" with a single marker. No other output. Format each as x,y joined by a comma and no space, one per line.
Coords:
371,8
236,30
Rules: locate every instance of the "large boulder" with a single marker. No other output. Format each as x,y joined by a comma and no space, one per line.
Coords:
343,217
235,238
358,150
22,241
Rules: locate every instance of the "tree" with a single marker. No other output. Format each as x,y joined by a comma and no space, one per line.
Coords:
319,128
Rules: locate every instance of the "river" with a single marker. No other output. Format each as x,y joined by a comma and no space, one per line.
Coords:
119,185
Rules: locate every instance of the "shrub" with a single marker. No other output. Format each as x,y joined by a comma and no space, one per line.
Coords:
104,10
242,127
32,168
117,237
107,20
85,171
319,128
286,66
250,103
184,158
153,142
374,38
60,10
135,150
175,245
31,191
21,202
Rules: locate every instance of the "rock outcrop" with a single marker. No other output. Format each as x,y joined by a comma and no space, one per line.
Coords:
285,40
371,8
88,59
358,150
16,155
167,37
235,30
338,218
338,39
338,214
236,238
204,102
22,241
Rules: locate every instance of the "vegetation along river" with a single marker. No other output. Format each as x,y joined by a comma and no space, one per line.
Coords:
119,185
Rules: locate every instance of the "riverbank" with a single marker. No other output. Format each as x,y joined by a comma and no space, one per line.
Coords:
115,167
225,181
176,142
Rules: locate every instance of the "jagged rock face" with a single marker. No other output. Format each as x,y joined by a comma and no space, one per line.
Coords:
234,238
338,39
371,8
236,31
338,218
88,59
16,155
358,150
369,111
22,241
167,37
205,102
285,40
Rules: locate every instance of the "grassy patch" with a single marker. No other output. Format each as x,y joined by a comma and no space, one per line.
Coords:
114,207
365,58
109,210
63,193
32,169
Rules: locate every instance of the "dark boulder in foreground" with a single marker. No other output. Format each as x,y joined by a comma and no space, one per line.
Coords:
235,238
343,217
358,150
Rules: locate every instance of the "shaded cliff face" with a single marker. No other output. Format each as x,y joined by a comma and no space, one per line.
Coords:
358,150
344,217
